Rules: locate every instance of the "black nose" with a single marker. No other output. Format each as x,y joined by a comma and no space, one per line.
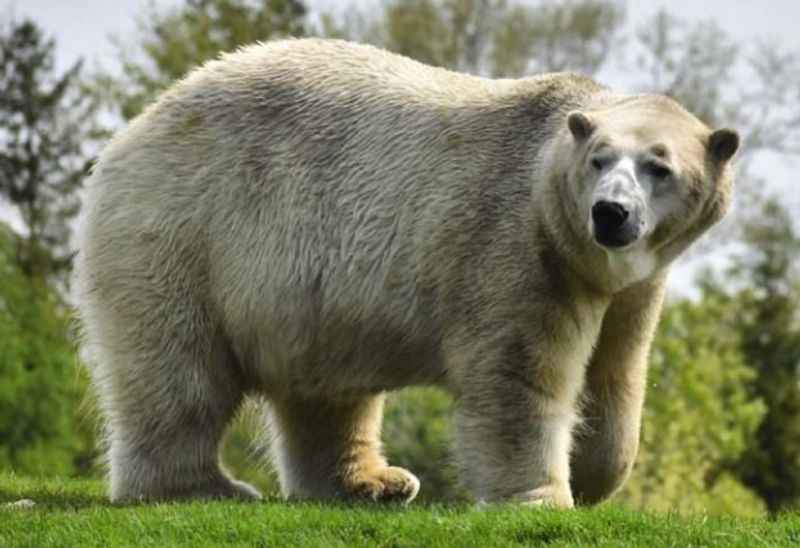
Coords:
614,226
609,216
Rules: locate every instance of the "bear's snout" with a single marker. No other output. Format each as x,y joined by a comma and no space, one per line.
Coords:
613,226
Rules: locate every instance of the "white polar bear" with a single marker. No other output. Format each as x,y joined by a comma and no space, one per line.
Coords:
319,222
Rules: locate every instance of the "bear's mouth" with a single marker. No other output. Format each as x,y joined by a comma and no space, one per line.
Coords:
616,239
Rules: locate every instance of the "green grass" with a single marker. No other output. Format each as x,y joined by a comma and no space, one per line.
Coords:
76,513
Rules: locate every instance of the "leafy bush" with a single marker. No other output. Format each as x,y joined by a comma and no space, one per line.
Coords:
418,435
41,431
698,414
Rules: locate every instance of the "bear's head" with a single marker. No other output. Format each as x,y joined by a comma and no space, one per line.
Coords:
646,179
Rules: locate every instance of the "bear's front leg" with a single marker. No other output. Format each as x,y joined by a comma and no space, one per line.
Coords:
606,446
516,416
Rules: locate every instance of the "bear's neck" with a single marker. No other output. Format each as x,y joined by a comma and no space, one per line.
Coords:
569,257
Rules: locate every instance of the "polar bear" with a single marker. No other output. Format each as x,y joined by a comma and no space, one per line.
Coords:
319,222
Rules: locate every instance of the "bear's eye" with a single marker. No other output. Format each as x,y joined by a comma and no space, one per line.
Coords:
599,162
657,170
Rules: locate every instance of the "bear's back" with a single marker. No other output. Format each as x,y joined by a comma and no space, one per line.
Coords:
298,76
335,69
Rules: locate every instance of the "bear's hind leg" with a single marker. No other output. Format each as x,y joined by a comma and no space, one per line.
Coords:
167,398
327,450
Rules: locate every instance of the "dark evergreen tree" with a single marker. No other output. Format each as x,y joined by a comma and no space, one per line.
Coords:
46,126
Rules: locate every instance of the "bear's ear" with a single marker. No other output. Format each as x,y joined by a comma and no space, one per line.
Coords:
723,144
580,125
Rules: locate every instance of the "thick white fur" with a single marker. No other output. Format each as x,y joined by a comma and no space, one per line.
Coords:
319,222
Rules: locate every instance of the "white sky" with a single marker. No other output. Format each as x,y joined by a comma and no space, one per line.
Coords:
83,28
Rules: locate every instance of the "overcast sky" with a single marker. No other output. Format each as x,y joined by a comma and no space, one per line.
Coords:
83,28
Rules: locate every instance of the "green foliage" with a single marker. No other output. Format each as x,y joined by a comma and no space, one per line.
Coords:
40,428
418,435
699,414
74,513
491,37
45,126
768,323
558,36
172,43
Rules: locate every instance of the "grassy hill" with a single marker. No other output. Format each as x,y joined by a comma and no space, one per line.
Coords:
75,513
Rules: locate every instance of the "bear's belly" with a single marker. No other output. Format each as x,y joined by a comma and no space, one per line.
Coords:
340,354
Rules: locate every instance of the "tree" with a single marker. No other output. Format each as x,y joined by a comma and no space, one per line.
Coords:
46,125
171,43
767,320
559,36
491,37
